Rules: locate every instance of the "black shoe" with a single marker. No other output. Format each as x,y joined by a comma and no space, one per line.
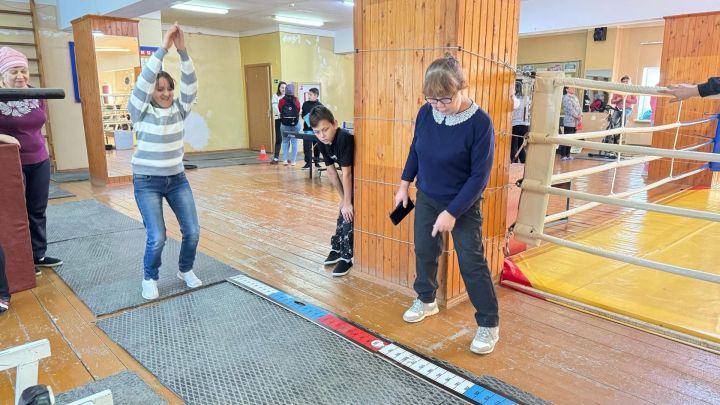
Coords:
48,261
342,268
318,165
332,258
307,166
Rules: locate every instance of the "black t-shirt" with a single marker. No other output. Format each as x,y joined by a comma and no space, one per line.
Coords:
341,150
306,108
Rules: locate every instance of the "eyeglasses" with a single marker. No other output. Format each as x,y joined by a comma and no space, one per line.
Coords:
435,101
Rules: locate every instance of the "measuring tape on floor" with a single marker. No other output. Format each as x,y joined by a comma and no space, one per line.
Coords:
399,356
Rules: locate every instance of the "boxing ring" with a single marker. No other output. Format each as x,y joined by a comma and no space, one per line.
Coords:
656,268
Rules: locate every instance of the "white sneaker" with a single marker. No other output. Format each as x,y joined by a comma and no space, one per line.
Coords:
149,289
419,310
485,340
190,279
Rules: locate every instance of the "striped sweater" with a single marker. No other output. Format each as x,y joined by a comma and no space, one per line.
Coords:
160,130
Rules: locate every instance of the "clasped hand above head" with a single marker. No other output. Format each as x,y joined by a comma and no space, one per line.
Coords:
174,36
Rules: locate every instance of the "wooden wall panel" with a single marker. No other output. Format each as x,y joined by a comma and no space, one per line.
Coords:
90,88
396,41
689,56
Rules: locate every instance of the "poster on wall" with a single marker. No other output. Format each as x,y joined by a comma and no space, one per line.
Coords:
303,89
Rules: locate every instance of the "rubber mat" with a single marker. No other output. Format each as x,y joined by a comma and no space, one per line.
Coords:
207,163
224,344
105,271
127,389
683,304
67,177
79,219
238,154
57,192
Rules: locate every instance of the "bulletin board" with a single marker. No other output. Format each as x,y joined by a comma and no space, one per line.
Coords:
303,88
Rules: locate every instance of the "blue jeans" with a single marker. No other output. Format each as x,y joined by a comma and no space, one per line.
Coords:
289,141
149,194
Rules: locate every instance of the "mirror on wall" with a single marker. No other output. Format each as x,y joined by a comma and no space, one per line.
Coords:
118,64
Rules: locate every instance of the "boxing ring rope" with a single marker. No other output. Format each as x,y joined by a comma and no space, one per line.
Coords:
543,139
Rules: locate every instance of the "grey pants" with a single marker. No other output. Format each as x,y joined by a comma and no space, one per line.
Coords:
467,236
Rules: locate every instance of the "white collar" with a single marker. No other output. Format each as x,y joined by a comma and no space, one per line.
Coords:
455,119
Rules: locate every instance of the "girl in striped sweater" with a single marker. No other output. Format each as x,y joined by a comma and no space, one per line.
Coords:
158,171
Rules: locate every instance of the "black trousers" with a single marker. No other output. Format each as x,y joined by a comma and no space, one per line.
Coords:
342,241
519,133
37,185
4,288
278,139
310,149
565,150
467,236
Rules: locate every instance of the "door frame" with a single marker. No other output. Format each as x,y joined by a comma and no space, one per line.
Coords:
271,147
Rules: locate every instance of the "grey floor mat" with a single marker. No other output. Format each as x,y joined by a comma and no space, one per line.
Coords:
57,192
204,164
127,389
79,219
66,177
226,345
105,271
239,154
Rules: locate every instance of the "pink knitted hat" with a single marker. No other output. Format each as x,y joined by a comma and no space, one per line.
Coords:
10,58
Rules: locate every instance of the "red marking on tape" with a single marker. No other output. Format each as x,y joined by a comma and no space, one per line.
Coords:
351,332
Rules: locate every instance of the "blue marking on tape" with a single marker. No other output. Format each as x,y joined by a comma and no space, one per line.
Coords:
312,312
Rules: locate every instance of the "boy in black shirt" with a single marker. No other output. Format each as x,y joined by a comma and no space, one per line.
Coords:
337,145
310,148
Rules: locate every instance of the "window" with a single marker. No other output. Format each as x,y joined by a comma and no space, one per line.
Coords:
650,77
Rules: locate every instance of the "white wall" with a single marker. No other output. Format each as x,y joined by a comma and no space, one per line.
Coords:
538,16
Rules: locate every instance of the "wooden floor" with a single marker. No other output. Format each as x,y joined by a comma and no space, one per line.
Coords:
274,224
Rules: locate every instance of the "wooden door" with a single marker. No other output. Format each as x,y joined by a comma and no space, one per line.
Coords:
260,119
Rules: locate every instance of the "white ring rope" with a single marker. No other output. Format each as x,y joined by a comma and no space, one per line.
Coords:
643,150
633,130
680,271
663,209
562,177
618,88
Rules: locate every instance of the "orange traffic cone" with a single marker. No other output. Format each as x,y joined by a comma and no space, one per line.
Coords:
263,154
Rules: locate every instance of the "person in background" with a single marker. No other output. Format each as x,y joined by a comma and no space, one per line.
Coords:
310,148
338,146
289,107
280,93
4,287
158,172
685,91
21,124
572,115
451,155
623,103
520,124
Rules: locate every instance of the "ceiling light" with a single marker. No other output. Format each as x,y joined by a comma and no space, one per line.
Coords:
97,33
350,3
299,21
200,9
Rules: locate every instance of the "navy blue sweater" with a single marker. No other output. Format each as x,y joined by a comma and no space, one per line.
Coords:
452,163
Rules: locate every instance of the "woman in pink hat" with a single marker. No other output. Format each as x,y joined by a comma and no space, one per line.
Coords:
20,124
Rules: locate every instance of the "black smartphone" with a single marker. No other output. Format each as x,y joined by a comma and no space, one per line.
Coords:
401,212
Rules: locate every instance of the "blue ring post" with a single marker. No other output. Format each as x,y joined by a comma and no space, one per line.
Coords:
716,145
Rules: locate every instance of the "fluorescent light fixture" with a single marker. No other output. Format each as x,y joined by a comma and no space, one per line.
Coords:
110,49
350,3
97,33
299,21
200,9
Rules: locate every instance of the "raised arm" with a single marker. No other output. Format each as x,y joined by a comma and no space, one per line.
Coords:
188,79
145,84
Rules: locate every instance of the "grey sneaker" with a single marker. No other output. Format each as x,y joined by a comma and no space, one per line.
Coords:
419,310
485,340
